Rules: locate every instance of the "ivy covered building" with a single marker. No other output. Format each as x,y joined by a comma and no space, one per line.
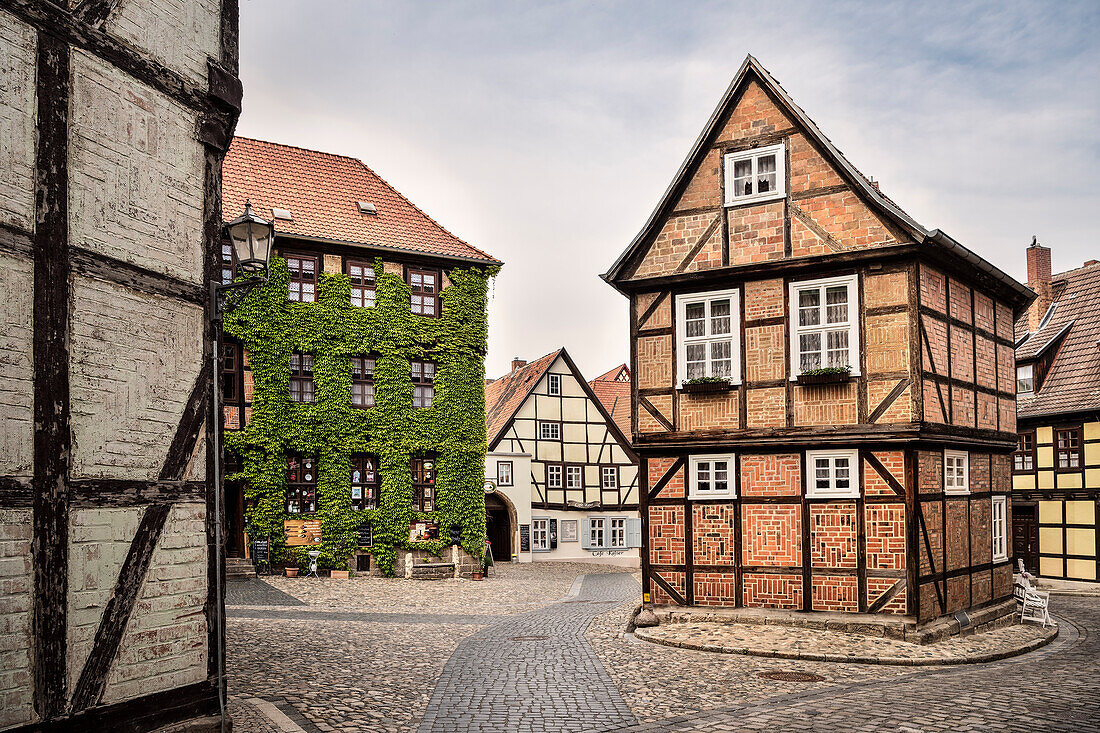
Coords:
353,381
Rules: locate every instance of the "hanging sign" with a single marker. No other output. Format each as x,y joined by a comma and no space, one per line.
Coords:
525,538
301,532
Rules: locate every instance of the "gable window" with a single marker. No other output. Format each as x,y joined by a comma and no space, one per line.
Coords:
1024,457
549,431
999,528
231,383
956,472
364,481
303,278
301,484
1025,378
825,325
362,381
424,285
706,342
755,175
554,476
423,482
540,535
554,384
504,473
596,532
574,477
831,474
301,377
1067,443
711,477
423,380
609,477
362,279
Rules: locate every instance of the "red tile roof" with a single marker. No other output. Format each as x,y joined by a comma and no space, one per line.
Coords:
615,398
616,374
505,395
322,192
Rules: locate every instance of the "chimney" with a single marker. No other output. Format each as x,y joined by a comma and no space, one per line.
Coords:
1038,279
518,362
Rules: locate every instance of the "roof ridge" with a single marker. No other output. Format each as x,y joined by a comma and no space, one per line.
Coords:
1074,271
303,149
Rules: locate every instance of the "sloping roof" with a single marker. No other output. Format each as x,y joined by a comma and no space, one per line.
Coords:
612,374
322,192
615,397
750,70
505,396
1073,382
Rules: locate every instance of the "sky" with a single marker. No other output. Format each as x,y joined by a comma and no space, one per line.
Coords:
545,133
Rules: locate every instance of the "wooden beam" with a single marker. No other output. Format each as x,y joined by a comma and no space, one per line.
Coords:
826,238
677,465
187,431
655,413
116,493
886,597
134,277
884,473
699,244
888,400
664,585
95,12
651,309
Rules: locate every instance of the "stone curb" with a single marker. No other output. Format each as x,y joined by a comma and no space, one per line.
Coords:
1049,636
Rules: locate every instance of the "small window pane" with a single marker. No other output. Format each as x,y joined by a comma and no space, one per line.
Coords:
765,174
721,358
719,317
809,347
742,178
696,360
838,348
836,300
809,302
695,320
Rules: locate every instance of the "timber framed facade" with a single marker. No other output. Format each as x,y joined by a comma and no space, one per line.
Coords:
823,389
110,224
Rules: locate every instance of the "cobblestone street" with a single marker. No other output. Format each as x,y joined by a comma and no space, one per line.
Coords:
373,654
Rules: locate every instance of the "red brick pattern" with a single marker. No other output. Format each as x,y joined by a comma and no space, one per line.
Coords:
666,535
705,187
933,289
890,288
892,461
962,354
710,256
1008,414
1002,580
1005,327
886,343
772,535
655,361
764,299
929,602
1006,369
900,410
835,593
979,471
987,411
981,543
767,407
963,407
754,115
846,219
981,586
805,242
676,579
673,243
959,305
833,535
712,534
835,404
987,362
933,410
929,471
884,526
936,330
776,474
958,593
958,533
658,467
808,169
932,513
877,586
765,352
715,589
756,233
772,591
983,312
698,411
660,317
646,422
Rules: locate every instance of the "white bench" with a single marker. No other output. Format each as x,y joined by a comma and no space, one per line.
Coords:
1034,604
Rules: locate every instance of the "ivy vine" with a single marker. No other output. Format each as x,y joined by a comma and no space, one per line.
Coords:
271,328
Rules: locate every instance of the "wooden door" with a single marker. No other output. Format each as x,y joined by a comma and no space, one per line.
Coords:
1025,537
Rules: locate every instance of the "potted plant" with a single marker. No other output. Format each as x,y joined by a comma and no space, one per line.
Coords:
291,571
340,574
706,385
826,375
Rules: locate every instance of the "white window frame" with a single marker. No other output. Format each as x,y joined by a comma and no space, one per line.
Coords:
755,155
694,492
852,283
500,474
553,384
614,531
570,472
734,335
592,522
812,490
611,472
1025,372
543,424
540,534
948,486
999,527
560,471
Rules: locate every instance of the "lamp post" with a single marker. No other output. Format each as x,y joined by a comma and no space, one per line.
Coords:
251,238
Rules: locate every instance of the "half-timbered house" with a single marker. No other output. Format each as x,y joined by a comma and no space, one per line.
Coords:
561,466
823,388
1056,467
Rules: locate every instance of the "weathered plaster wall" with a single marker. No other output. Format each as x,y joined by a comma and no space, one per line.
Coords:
181,34
16,388
15,617
18,48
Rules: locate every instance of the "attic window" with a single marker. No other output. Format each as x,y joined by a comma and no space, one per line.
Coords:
277,213
1025,378
756,175
366,207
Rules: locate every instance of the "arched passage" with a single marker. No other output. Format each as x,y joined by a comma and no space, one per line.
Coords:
500,525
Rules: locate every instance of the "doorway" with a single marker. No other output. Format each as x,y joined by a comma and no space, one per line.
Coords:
234,519
498,528
1025,536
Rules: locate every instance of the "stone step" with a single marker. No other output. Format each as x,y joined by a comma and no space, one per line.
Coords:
239,568
433,570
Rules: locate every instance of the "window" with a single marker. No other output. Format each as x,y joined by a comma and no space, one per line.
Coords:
425,291
301,485
301,377
554,384
303,278
1024,457
596,527
1000,528
364,481
1025,378
423,481
423,379
832,473
609,477
956,468
574,477
706,342
1067,443
362,279
540,535
617,532
362,381
231,383
712,477
550,431
504,473
553,476
825,325
755,175
228,270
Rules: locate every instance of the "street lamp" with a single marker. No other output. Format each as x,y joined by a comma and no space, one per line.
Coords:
251,239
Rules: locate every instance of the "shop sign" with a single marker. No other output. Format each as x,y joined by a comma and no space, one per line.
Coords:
301,532
525,538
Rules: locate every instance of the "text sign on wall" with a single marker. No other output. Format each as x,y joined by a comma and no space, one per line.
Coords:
366,535
301,532
553,533
525,538
569,530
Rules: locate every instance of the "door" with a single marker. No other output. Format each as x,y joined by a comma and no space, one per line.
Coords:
1025,536
498,528
234,519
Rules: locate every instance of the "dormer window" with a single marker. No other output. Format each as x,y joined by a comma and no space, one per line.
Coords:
1025,378
756,175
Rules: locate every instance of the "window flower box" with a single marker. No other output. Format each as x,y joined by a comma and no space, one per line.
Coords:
827,375
706,385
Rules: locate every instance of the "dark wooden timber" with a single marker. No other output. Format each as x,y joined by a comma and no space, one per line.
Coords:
114,493
888,400
883,472
667,588
677,465
52,435
16,241
93,678
810,193
95,12
135,277
886,597
826,238
187,432
652,308
655,413
699,244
